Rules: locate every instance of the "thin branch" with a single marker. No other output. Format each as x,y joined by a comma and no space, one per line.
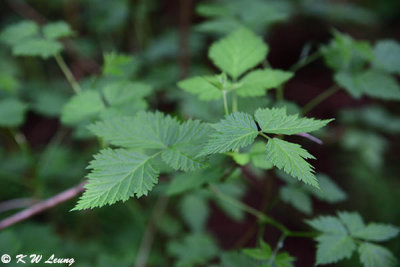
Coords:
42,206
148,237
16,204
320,98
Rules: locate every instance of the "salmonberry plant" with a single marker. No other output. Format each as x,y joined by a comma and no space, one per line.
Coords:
229,131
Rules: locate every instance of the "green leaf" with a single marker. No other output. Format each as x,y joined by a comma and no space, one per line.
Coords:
352,221
56,30
236,130
344,54
238,52
291,158
372,255
179,142
330,192
276,121
296,197
188,181
82,106
387,56
257,156
37,47
236,259
19,32
205,87
377,232
328,225
121,92
372,83
117,175
12,112
264,252
332,248
257,82
195,211
233,190
116,64
193,250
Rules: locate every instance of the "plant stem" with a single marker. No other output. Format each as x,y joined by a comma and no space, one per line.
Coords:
42,206
263,218
21,142
314,56
225,102
148,237
264,135
234,102
321,97
279,93
279,245
68,74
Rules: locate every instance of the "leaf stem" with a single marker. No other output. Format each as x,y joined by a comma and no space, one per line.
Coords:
68,74
320,98
264,135
225,102
21,142
234,102
305,61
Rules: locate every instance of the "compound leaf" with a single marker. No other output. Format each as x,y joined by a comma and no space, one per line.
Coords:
291,158
236,130
238,52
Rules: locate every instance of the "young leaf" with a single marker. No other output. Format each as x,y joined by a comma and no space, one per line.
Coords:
205,87
117,175
257,82
372,82
82,106
387,56
276,121
37,47
234,131
377,232
372,255
291,158
120,65
238,52
332,248
55,30
12,112
19,32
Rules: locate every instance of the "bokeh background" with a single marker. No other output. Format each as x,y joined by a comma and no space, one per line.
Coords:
168,41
